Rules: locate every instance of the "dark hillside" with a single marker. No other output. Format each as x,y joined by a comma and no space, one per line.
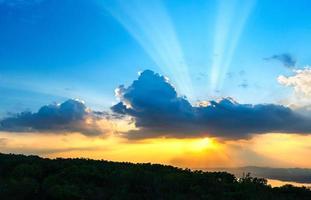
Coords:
31,177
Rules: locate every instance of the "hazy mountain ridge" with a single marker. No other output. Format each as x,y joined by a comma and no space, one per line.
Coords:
299,175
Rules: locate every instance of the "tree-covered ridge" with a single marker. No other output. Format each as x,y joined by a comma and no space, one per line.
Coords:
31,177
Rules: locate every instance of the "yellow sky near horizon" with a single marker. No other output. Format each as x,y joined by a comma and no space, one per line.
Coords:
275,149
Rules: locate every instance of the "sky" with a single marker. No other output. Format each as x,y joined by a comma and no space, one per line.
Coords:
199,84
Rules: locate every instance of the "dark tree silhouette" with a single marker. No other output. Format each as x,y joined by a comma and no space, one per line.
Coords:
31,177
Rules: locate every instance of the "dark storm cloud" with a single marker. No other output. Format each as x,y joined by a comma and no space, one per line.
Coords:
286,59
70,116
159,112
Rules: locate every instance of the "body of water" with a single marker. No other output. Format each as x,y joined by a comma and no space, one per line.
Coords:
278,183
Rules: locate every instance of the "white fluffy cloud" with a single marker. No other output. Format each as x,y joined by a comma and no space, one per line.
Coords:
300,81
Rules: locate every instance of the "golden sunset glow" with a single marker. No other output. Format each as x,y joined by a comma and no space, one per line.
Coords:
203,144
194,153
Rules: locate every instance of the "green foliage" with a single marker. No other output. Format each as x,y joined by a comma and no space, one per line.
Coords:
30,177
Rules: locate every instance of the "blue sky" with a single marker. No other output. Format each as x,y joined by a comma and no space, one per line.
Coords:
54,50
205,83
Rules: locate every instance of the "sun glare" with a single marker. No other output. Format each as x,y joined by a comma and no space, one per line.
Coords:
202,144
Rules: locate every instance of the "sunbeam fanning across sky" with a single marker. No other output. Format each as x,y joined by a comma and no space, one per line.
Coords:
151,26
231,18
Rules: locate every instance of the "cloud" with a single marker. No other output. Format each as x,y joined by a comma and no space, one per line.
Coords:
244,84
286,59
159,112
300,81
69,116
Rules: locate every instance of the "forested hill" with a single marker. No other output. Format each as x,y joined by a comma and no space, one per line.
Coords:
31,177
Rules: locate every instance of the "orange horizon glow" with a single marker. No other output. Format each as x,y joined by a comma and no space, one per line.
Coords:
276,150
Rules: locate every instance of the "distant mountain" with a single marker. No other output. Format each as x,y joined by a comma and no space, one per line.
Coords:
299,175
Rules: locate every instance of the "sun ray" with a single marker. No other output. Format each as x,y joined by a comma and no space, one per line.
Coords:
231,19
153,29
